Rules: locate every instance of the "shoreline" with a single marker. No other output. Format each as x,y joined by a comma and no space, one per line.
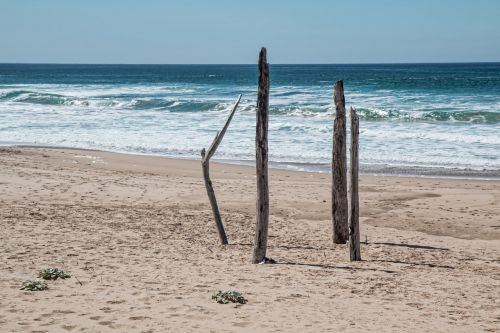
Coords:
383,170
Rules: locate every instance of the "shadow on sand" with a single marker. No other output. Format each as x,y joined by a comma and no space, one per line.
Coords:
412,263
349,268
413,246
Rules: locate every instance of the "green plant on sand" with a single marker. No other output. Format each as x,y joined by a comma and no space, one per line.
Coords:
53,274
34,285
224,297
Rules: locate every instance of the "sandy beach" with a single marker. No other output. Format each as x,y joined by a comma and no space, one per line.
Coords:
138,237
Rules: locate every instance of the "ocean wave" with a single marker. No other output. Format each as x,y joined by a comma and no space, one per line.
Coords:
38,98
476,117
168,104
32,97
306,106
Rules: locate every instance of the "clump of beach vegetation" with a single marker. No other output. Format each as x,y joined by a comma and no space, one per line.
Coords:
34,285
53,274
225,297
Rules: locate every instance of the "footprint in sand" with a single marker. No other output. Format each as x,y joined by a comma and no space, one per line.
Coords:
139,317
107,309
116,302
242,324
68,327
106,323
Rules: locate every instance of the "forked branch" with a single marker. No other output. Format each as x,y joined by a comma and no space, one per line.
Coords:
205,163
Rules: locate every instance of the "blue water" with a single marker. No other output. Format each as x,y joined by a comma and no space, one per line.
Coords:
412,116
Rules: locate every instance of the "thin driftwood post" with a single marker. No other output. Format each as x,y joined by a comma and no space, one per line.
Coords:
354,247
260,244
339,169
205,163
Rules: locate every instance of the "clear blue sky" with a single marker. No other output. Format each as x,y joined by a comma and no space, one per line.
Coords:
232,31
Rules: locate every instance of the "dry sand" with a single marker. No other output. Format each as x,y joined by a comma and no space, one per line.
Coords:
138,237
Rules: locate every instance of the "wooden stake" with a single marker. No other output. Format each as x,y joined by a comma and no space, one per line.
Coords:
260,244
354,246
205,163
339,169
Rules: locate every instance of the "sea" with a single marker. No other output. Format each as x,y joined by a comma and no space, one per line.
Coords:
415,119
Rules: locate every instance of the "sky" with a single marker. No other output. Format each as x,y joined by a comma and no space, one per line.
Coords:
232,31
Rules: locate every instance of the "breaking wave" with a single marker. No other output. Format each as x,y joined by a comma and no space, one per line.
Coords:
291,107
477,117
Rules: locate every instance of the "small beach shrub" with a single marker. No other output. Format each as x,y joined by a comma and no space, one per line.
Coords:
53,274
34,285
224,297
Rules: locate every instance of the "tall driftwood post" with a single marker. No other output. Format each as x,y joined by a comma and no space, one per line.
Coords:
354,247
260,244
339,169
205,164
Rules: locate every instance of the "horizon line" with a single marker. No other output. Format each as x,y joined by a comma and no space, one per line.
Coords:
246,64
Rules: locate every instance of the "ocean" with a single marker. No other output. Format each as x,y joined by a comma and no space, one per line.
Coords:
418,119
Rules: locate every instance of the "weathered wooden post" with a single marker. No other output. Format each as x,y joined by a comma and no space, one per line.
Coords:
354,246
260,244
205,164
339,169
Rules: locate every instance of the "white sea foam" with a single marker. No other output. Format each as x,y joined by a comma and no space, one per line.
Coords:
397,128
